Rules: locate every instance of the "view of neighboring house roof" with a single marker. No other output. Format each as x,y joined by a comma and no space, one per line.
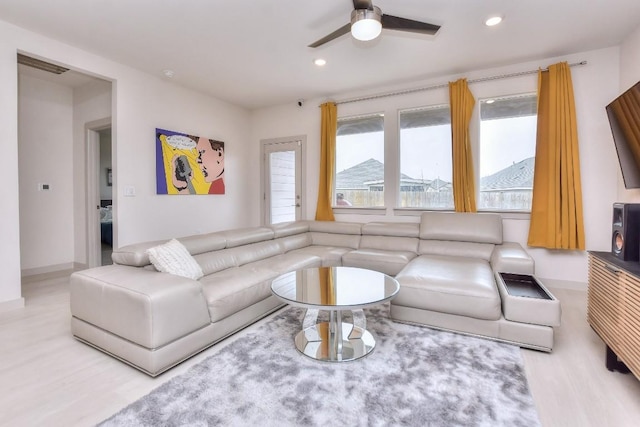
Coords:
357,177
517,176
370,172
439,185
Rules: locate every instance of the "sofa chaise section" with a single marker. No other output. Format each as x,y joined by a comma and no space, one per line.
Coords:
450,285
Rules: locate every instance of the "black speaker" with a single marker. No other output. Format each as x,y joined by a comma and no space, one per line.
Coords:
625,238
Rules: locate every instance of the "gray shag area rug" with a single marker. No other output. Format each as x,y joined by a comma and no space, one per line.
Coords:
416,376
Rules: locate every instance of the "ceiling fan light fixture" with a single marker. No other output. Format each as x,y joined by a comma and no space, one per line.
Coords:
366,24
493,21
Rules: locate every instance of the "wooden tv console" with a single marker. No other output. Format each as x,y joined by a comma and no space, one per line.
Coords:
613,309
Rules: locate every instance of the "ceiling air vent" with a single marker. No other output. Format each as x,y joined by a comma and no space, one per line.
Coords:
40,65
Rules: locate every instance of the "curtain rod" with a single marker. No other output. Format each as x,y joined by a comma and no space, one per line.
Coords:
440,86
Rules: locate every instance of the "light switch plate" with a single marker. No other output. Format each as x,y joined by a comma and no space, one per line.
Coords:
129,191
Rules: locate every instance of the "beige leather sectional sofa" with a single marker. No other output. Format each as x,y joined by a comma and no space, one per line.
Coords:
446,264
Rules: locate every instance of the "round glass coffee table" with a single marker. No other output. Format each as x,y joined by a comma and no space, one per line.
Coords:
336,290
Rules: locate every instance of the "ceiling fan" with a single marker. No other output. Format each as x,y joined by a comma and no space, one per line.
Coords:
367,21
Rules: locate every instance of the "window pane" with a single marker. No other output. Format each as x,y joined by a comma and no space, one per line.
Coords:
425,158
360,162
507,152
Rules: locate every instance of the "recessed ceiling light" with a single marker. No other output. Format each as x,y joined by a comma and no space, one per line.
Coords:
494,20
168,73
320,62
490,101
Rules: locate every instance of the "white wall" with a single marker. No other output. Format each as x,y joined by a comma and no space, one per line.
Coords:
91,102
45,157
629,75
630,60
10,295
144,104
141,102
594,85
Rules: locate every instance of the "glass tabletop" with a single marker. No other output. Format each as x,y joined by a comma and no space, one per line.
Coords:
339,288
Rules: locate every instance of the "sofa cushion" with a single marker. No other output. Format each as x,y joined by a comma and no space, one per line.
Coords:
284,229
337,240
388,243
336,227
255,252
244,236
202,243
461,227
290,261
212,262
331,256
388,262
173,258
231,290
297,241
396,229
454,285
510,257
134,255
463,249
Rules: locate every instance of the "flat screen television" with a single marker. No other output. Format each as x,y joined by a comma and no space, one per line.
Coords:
624,118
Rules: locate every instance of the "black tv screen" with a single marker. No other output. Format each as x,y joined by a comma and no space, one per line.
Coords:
624,118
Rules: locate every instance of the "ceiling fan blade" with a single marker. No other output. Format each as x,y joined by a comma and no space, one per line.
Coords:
337,33
403,24
363,4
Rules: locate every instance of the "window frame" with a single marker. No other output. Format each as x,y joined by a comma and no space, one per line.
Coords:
398,195
360,209
478,145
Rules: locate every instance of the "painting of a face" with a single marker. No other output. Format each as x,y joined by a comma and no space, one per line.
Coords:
210,158
189,164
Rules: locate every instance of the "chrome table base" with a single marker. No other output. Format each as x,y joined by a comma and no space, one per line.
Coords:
335,340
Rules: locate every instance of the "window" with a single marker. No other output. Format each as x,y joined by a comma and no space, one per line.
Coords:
425,158
507,152
360,162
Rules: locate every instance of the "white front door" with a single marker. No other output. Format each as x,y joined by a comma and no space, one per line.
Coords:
282,166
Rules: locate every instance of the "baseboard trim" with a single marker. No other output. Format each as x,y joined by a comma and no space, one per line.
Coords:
51,271
12,304
47,269
55,268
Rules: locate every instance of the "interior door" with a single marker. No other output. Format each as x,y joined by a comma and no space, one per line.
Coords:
96,178
282,166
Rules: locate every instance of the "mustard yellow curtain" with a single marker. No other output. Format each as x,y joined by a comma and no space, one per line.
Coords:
464,190
556,211
327,285
328,130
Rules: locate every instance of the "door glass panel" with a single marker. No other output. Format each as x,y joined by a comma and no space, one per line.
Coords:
283,186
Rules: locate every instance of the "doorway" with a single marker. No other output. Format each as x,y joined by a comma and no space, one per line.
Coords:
105,174
53,109
100,218
282,165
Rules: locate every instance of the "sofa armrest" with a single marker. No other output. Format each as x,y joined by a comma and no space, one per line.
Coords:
510,257
146,307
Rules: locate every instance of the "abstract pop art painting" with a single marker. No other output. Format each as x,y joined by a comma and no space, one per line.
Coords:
188,164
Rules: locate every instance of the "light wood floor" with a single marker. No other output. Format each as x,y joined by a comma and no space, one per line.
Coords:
48,378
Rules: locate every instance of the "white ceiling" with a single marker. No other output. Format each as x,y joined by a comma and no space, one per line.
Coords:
254,53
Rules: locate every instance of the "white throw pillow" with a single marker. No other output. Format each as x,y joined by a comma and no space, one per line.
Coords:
173,258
